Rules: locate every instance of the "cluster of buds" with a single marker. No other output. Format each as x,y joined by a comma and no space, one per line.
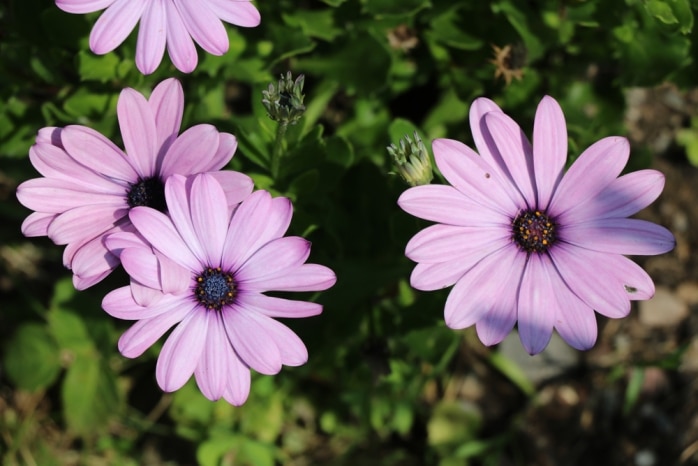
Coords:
284,103
412,160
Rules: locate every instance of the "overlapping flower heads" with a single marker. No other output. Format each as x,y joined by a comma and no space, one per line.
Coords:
522,241
175,24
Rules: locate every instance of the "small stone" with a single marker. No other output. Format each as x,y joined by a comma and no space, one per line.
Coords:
665,309
557,358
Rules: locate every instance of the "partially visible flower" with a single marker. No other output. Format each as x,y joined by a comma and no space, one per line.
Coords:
284,103
207,268
90,184
176,24
412,161
525,242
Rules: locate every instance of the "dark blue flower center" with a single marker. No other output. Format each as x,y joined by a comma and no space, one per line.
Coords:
534,231
215,288
149,192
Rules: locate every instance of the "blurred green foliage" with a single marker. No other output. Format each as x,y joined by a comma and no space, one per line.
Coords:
373,391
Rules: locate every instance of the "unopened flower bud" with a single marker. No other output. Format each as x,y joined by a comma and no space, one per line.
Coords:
412,160
284,103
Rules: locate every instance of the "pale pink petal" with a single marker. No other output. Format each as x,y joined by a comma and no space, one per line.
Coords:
121,304
144,295
494,326
116,242
586,275
442,243
227,145
141,335
210,226
476,292
538,303
84,282
549,148
91,263
51,195
152,37
83,6
625,196
593,171
173,277
167,104
629,236
279,307
214,364
177,195
445,204
636,282
307,277
204,26
144,268
238,387
258,220
157,228
251,340
50,135
93,150
137,124
241,13
87,221
575,321
278,257
115,24
236,186
191,151
37,223
180,45
291,348
182,351
473,177
516,152
53,162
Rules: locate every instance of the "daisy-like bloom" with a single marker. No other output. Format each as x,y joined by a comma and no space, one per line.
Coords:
205,268
89,184
523,241
176,24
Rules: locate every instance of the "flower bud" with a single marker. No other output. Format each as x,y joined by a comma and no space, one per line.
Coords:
412,160
284,103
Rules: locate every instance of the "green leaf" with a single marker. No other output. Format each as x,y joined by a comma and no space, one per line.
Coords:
70,331
32,358
446,28
100,68
314,23
90,395
382,8
85,104
399,128
661,10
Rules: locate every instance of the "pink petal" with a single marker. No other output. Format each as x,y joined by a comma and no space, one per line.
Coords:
624,196
84,222
37,223
177,189
206,199
141,335
445,204
227,145
157,228
50,195
251,340
258,220
144,295
575,321
167,104
496,324
473,177
549,148
291,348
143,267
212,369
50,135
121,304
307,277
278,257
241,13
636,282
182,351
538,303
116,242
83,6
137,124
430,277
84,282
114,25
237,187
593,171
93,150
475,293
53,162
180,46
443,243
204,26
279,307
516,152
173,277
152,37
92,263
238,386
586,275
627,236
191,152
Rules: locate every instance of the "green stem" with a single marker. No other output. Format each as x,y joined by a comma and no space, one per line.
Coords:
278,149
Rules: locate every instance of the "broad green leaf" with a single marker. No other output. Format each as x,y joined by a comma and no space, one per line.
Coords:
69,330
100,68
32,358
382,8
314,23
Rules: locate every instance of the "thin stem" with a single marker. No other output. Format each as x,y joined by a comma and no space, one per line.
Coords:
278,149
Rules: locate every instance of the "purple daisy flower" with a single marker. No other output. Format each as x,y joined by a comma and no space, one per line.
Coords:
207,266
523,241
176,24
89,184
